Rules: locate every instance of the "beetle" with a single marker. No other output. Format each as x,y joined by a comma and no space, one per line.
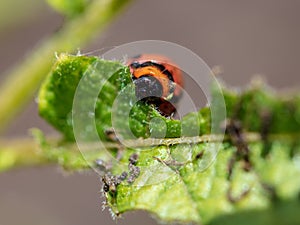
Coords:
157,81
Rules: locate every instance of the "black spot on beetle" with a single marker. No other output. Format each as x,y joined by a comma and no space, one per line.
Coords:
148,86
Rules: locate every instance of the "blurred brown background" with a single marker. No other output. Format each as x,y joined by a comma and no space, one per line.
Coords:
245,37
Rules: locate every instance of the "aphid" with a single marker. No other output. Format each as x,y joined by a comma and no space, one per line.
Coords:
134,171
133,159
102,165
266,122
199,155
234,131
111,135
157,80
109,184
123,176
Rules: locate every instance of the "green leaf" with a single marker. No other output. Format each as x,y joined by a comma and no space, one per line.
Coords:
58,91
190,194
69,8
254,178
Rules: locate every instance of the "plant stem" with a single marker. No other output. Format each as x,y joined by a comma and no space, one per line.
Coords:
22,82
18,153
25,152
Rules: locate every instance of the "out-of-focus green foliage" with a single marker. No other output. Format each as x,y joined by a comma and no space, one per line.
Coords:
12,15
73,34
70,8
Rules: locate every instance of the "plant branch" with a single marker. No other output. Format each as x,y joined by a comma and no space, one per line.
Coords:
21,152
249,137
22,81
26,152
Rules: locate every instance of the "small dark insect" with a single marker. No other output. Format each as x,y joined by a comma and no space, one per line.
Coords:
105,187
199,155
123,176
102,165
134,171
133,159
109,184
111,135
234,131
266,121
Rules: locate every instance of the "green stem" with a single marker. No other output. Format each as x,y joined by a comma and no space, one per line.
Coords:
19,153
22,82
25,152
